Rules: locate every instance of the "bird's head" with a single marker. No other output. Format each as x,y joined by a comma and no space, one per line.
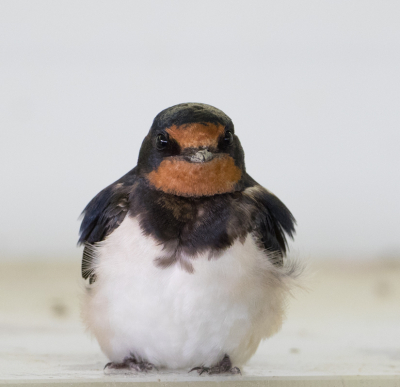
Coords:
191,150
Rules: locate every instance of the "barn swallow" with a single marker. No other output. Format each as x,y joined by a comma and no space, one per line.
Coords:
184,256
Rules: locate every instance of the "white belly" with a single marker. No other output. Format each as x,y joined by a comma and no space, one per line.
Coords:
176,319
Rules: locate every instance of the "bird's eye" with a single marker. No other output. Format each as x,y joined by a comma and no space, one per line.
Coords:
162,141
228,139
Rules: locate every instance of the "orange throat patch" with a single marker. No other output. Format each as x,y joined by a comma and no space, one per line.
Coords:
180,177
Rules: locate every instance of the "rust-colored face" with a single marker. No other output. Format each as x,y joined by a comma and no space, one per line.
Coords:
196,176
196,135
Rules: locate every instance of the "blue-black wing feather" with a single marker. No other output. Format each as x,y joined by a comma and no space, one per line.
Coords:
104,213
273,221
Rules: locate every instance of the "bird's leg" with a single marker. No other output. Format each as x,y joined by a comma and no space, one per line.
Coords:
131,363
223,366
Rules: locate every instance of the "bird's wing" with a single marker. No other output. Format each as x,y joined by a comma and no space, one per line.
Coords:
273,220
104,213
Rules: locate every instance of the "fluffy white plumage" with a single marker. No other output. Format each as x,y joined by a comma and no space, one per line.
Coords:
177,319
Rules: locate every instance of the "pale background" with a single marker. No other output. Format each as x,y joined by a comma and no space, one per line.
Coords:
312,87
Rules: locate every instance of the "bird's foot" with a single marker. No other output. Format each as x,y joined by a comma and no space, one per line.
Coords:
224,366
131,363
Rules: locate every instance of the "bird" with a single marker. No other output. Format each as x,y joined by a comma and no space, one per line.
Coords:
184,258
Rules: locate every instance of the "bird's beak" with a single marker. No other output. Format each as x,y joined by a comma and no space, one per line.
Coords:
201,156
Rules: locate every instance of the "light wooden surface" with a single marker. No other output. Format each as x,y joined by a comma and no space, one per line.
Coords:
343,331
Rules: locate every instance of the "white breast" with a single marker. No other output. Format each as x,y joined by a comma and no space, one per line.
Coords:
176,319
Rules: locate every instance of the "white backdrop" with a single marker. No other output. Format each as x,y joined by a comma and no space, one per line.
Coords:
313,89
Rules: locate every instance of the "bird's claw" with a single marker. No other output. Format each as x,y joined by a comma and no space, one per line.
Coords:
216,370
200,370
224,366
132,364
